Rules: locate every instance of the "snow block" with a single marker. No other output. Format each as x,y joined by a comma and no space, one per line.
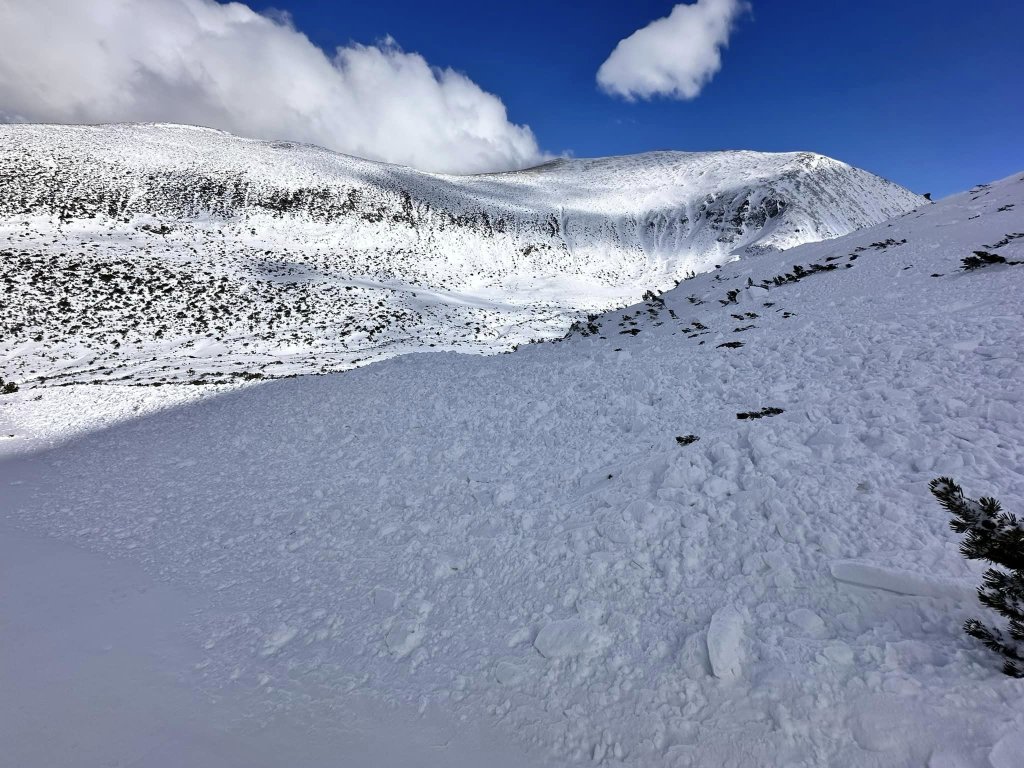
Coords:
278,639
895,580
725,639
1008,751
403,638
567,637
507,673
756,293
808,621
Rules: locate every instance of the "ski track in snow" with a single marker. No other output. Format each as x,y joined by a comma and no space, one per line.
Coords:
520,539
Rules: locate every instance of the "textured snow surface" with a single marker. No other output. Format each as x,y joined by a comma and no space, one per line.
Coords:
521,541
157,253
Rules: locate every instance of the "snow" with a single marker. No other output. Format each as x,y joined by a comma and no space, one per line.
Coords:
520,541
896,580
164,254
567,637
808,621
97,664
1007,753
725,638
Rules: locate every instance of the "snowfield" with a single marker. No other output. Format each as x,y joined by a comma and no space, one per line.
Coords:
518,545
161,253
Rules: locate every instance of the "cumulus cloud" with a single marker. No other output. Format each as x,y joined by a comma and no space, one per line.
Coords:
675,56
226,66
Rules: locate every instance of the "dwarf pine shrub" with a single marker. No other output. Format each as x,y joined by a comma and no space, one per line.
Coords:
981,259
997,537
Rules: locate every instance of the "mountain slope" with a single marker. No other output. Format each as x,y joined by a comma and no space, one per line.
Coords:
521,542
156,252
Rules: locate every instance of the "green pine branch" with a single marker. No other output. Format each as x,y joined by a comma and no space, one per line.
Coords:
995,536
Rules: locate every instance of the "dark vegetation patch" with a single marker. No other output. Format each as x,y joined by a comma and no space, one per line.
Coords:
985,259
760,414
1007,240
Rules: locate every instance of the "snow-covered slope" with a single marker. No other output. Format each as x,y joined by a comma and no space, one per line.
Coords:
161,253
520,542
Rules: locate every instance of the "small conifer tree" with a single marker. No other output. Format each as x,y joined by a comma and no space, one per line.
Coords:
997,537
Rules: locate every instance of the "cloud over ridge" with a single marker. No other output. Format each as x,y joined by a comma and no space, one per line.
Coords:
228,67
675,56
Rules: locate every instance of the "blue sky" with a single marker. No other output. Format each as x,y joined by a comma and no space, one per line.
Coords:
925,92
928,94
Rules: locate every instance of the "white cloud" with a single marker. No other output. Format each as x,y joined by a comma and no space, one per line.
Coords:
227,67
675,56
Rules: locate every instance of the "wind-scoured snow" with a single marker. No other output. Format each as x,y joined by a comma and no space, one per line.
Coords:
161,253
521,541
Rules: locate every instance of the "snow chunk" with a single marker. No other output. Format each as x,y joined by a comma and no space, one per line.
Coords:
278,639
1007,751
725,639
909,654
403,638
751,294
567,637
896,580
838,653
508,673
807,620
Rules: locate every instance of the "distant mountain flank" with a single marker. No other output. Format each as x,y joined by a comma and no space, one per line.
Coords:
150,253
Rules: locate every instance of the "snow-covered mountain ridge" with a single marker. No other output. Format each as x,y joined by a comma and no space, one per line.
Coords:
160,252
